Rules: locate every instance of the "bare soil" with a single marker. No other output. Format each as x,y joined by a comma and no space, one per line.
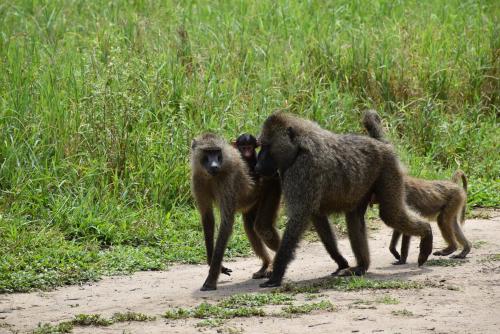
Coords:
465,299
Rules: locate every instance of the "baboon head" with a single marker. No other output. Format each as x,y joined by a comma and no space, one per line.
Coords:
279,147
207,152
246,144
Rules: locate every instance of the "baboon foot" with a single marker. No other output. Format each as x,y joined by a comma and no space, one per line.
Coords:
340,268
446,251
461,255
395,253
425,248
270,284
352,271
226,271
208,287
399,262
262,273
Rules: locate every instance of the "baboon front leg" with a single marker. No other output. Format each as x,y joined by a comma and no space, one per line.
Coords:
225,230
267,213
356,229
256,242
295,228
208,222
327,236
445,221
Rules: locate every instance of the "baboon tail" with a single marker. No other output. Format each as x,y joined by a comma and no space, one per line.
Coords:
459,174
373,125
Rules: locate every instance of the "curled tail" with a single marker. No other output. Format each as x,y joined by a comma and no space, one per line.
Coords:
459,174
373,125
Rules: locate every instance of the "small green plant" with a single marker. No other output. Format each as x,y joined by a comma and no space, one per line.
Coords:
63,327
324,305
402,313
131,316
91,320
387,300
446,262
210,323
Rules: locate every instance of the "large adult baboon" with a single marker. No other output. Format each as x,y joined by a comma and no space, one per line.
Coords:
220,176
323,172
439,200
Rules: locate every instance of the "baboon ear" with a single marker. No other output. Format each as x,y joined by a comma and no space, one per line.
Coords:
193,144
291,133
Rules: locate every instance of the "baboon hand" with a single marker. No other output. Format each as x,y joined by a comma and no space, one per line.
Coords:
226,271
399,262
352,271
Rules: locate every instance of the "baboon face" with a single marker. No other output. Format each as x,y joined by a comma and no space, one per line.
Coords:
207,152
246,144
278,148
211,160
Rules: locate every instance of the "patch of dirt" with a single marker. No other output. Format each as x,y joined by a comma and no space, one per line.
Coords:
470,305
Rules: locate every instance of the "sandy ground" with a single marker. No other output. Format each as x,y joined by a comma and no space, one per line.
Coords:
472,308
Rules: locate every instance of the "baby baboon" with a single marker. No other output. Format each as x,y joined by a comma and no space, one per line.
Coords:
323,172
443,201
247,144
220,176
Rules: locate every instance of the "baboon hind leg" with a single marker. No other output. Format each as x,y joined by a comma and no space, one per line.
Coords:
256,242
394,242
445,222
327,236
459,234
405,246
393,211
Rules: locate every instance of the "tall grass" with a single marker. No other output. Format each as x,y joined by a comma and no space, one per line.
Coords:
99,100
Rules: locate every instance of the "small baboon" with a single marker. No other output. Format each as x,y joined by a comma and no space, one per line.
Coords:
247,145
323,172
444,201
220,176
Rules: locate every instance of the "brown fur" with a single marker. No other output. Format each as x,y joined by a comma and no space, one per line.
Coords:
443,201
322,173
232,190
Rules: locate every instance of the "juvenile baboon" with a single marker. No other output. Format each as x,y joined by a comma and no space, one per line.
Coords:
443,201
247,145
220,176
323,172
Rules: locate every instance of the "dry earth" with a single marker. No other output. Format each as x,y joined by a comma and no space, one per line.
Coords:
465,299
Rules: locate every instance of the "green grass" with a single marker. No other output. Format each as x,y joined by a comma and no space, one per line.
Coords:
84,320
446,262
349,284
402,313
99,100
323,305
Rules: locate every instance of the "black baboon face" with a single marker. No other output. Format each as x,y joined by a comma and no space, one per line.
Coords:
278,150
246,144
211,160
266,165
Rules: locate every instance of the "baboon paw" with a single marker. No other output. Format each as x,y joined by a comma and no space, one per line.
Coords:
458,256
262,274
399,262
208,287
444,252
270,284
353,271
226,271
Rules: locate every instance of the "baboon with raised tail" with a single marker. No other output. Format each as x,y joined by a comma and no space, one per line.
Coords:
322,173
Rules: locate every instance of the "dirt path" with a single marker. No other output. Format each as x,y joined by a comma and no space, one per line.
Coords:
472,308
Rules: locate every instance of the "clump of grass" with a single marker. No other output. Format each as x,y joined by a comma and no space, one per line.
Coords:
63,327
256,299
446,262
207,311
479,244
349,284
91,320
387,300
131,316
210,323
85,320
323,305
402,313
